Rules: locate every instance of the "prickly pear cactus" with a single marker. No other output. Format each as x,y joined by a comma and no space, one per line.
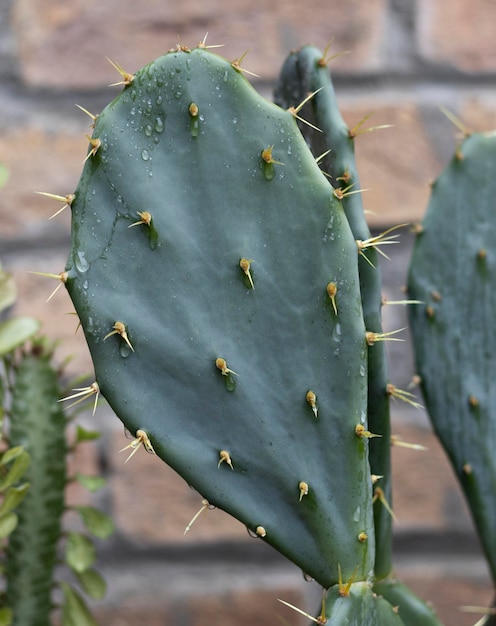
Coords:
215,276
304,72
453,273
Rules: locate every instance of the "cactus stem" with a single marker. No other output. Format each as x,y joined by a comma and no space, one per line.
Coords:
66,200
146,218
344,588
358,130
318,620
404,396
95,145
397,441
361,431
295,110
93,117
141,439
379,495
312,401
204,507
120,329
303,487
63,276
127,78
82,394
236,64
221,364
245,265
225,457
332,290
373,338
203,44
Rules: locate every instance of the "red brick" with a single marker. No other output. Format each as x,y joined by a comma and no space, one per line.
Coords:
57,321
246,608
457,33
395,164
65,44
426,495
38,160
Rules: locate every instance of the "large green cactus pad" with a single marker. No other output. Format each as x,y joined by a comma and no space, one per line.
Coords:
453,271
218,174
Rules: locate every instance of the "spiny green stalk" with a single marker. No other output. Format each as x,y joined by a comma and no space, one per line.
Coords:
37,424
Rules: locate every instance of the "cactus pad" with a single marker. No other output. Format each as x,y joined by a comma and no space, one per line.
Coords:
204,238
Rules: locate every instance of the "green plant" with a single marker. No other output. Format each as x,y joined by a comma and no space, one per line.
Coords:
451,272
231,300
33,480
306,71
220,288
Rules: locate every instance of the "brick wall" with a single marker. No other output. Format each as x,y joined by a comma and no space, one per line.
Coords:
407,57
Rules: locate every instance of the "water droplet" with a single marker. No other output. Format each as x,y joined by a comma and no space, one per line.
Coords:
235,120
85,284
145,155
307,578
225,76
159,125
148,130
124,350
81,263
356,514
363,370
178,94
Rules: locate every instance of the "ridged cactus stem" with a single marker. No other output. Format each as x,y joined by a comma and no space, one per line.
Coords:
37,424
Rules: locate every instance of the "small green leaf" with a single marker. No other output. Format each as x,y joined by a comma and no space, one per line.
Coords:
16,331
99,524
92,483
16,471
11,454
4,175
6,616
93,583
86,435
74,609
8,524
13,497
8,291
79,552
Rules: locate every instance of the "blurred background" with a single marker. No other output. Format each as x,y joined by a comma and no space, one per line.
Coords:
406,58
